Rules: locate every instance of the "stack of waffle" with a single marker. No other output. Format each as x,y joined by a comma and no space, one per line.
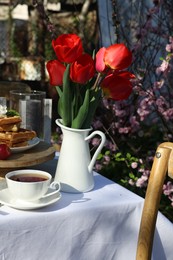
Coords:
11,133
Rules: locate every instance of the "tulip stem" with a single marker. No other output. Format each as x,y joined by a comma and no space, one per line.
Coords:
97,81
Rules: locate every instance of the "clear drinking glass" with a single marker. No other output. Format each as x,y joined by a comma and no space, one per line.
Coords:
30,106
3,101
3,105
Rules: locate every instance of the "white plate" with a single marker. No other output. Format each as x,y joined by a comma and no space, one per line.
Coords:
30,145
8,200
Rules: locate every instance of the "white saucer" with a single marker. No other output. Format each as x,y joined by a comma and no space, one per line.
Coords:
30,145
8,200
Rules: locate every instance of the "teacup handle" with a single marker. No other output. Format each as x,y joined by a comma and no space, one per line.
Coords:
54,185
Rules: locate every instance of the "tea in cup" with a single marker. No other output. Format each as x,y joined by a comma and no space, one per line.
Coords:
30,185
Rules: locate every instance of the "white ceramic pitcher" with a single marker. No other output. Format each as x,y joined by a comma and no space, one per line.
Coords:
74,168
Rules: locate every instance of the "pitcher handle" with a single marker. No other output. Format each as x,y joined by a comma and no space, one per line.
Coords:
103,140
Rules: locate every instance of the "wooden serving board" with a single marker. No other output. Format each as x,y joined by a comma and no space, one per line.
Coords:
41,153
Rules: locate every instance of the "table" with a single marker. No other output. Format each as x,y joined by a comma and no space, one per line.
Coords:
42,152
99,225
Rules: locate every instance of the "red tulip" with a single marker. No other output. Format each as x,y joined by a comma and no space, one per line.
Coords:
117,57
56,72
100,64
116,87
68,47
125,74
82,69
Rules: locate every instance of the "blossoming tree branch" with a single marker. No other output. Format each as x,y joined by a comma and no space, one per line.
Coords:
82,80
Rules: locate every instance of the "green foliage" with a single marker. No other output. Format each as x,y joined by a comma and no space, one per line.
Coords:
12,112
77,104
119,168
66,98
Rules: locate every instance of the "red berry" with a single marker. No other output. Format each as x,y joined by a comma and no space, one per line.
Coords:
5,151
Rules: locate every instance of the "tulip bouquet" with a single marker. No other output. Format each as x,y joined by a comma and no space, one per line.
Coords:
82,80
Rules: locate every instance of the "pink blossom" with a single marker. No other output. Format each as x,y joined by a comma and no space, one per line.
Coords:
124,130
169,47
164,67
112,147
98,167
106,159
142,113
168,188
168,114
158,84
95,141
134,165
131,182
134,123
120,113
142,182
97,124
161,102
141,161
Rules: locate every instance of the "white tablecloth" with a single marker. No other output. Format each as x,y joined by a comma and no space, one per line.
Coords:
99,225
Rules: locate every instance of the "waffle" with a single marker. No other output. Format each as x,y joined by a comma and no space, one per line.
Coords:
11,123
10,120
17,139
10,127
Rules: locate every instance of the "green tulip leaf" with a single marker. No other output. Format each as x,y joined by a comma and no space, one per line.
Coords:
93,104
59,90
82,113
66,97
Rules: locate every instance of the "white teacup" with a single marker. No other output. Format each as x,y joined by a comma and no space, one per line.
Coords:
30,185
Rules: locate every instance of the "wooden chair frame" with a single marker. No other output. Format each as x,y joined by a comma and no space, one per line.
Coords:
163,163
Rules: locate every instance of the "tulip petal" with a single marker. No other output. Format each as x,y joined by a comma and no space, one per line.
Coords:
118,57
68,47
116,87
125,74
100,65
82,70
56,71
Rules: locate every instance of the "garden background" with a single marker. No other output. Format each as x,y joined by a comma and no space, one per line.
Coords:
134,128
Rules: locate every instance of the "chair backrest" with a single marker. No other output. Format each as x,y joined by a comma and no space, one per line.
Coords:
163,163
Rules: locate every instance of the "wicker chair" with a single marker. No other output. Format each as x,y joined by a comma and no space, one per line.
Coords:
163,163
